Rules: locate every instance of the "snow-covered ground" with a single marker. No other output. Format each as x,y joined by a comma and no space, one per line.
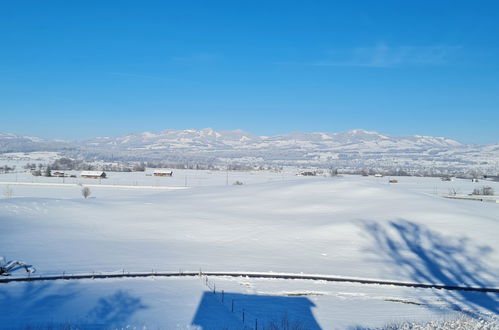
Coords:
180,178
346,226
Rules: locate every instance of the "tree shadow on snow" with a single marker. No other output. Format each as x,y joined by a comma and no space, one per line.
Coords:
114,310
428,257
264,312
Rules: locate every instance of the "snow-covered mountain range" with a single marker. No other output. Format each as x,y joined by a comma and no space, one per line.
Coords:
354,148
208,139
18,143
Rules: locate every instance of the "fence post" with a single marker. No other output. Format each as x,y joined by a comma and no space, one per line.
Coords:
256,324
222,296
232,306
243,315
213,288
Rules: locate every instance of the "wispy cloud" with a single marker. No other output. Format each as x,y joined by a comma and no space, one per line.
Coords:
384,56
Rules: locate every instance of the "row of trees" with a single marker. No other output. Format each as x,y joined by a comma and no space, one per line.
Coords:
484,191
46,172
7,169
67,164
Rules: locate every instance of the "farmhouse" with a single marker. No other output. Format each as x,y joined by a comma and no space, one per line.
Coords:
163,173
93,174
58,174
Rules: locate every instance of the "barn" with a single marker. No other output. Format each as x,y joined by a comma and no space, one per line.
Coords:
93,174
163,173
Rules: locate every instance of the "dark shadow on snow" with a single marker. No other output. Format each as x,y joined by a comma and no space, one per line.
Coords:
429,257
266,312
33,300
43,304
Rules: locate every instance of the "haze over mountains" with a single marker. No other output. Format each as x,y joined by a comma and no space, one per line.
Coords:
354,148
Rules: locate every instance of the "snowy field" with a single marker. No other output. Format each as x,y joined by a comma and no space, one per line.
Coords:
276,222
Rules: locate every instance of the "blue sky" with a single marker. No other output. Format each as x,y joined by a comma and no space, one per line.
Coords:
79,69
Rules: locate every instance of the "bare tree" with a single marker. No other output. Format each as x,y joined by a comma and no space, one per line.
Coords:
85,192
333,171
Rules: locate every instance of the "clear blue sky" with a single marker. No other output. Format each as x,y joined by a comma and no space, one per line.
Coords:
79,69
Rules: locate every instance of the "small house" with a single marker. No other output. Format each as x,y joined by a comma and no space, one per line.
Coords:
393,181
93,174
58,174
163,173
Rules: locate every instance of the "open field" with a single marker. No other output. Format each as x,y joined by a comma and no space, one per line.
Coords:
344,226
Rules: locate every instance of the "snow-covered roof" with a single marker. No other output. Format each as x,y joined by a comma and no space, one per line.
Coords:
92,173
163,171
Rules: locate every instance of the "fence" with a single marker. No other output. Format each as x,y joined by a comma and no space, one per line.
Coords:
248,320
286,276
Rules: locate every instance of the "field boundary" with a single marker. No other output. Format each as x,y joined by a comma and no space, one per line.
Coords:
482,198
92,185
286,276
